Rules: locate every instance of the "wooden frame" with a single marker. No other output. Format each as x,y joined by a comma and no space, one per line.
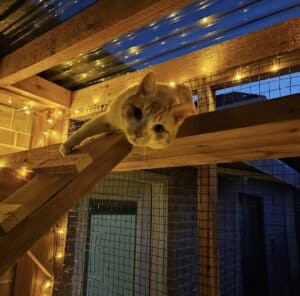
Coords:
148,256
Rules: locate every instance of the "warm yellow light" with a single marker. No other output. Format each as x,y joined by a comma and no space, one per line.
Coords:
172,14
76,111
27,111
275,68
237,76
95,101
172,84
206,21
59,255
59,113
50,120
60,231
134,50
9,101
47,284
3,163
25,108
23,172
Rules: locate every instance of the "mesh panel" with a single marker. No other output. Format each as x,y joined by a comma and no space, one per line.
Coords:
7,137
223,229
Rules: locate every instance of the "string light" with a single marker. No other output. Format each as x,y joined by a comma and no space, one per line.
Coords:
206,21
23,172
60,231
47,285
237,76
275,67
134,50
59,255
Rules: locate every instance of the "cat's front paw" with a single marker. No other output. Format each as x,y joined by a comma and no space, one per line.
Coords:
64,149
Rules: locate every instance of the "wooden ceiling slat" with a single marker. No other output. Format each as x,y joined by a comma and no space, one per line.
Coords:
93,27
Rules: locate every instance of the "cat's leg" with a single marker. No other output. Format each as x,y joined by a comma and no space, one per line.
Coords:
93,127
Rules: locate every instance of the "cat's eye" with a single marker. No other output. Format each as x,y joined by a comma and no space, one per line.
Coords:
159,128
137,113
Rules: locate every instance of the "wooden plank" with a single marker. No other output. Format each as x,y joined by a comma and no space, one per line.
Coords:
91,28
107,155
47,159
43,91
29,198
39,264
230,54
268,129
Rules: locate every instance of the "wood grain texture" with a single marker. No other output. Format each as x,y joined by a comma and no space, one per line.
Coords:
29,198
268,129
274,40
15,243
42,91
91,28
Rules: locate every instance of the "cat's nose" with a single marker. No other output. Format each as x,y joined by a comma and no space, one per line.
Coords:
139,132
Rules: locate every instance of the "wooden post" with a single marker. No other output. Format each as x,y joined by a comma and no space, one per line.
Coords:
207,213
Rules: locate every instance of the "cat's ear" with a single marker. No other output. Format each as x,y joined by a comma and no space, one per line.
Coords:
148,85
182,111
184,93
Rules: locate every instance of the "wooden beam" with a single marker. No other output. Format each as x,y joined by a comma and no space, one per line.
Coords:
29,198
18,241
91,28
264,130
267,129
43,91
237,52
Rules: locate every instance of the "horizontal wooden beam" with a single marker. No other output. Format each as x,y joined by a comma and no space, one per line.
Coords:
264,130
91,28
267,129
272,41
42,91
107,153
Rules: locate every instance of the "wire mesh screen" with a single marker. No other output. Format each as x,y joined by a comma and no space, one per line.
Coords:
214,230
224,229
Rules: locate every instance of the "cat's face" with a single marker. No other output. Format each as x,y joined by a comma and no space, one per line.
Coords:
153,115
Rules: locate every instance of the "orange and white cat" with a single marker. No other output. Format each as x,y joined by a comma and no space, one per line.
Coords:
148,114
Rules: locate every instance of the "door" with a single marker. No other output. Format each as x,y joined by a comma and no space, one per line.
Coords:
252,242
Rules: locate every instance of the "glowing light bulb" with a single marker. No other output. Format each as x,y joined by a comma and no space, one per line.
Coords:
50,120
275,67
134,50
76,111
206,21
47,284
237,76
172,84
23,172
60,231
59,255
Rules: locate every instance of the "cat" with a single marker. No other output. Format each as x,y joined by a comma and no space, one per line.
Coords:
148,114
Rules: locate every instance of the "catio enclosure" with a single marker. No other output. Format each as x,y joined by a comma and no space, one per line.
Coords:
216,213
